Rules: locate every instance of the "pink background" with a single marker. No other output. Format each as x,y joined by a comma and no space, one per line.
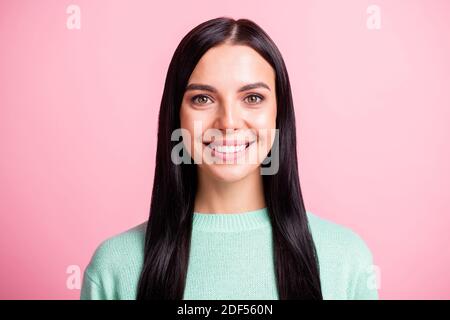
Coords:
78,121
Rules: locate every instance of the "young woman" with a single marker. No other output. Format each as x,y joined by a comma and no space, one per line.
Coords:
227,225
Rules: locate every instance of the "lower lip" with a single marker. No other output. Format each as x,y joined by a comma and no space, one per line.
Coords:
230,155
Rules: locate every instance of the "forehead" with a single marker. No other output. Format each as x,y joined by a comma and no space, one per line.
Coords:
232,66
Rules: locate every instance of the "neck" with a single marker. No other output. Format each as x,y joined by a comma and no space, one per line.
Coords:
243,195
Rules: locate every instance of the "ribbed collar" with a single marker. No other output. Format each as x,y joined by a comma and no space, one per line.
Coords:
229,222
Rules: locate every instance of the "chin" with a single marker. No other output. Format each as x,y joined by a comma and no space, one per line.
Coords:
230,172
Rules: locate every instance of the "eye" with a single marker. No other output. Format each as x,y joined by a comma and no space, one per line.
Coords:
200,99
254,98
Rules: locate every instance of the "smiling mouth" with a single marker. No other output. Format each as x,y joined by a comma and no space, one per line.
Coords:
228,148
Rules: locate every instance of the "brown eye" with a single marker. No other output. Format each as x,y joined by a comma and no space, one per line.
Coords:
200,99
253,99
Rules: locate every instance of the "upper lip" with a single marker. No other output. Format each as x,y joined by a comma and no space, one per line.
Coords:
228,142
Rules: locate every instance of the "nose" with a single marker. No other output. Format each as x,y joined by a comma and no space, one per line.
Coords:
229,116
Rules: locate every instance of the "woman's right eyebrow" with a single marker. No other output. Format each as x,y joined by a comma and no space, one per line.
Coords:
205,87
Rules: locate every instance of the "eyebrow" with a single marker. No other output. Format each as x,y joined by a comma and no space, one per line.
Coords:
205,87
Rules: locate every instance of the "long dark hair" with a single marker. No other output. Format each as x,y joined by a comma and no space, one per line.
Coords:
168,234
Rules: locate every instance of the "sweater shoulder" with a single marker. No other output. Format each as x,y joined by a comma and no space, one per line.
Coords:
119,253
346,262
338,240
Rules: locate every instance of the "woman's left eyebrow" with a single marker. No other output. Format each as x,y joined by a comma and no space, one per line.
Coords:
254,86
205,87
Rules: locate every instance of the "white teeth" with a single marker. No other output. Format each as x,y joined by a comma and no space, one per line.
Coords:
229,149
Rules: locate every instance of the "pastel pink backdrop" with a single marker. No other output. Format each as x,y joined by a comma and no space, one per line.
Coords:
78,115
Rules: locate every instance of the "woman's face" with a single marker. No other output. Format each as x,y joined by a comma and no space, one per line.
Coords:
229,110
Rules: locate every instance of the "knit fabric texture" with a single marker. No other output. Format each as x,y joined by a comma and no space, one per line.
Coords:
231,257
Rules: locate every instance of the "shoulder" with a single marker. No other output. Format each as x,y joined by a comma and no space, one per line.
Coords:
345,260
338,241
119,253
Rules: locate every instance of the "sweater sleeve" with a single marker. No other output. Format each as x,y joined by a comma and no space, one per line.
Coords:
366,278
90,289
97,275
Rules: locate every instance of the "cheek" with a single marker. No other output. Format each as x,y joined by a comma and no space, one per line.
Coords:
188,120
264,119
187,123
265,123
194,123
189,117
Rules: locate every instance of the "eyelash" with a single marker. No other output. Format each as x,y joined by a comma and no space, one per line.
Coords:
250,95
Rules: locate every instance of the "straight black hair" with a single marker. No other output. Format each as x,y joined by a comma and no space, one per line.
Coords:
168,233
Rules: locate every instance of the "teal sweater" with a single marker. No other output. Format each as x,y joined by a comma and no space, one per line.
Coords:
231,258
